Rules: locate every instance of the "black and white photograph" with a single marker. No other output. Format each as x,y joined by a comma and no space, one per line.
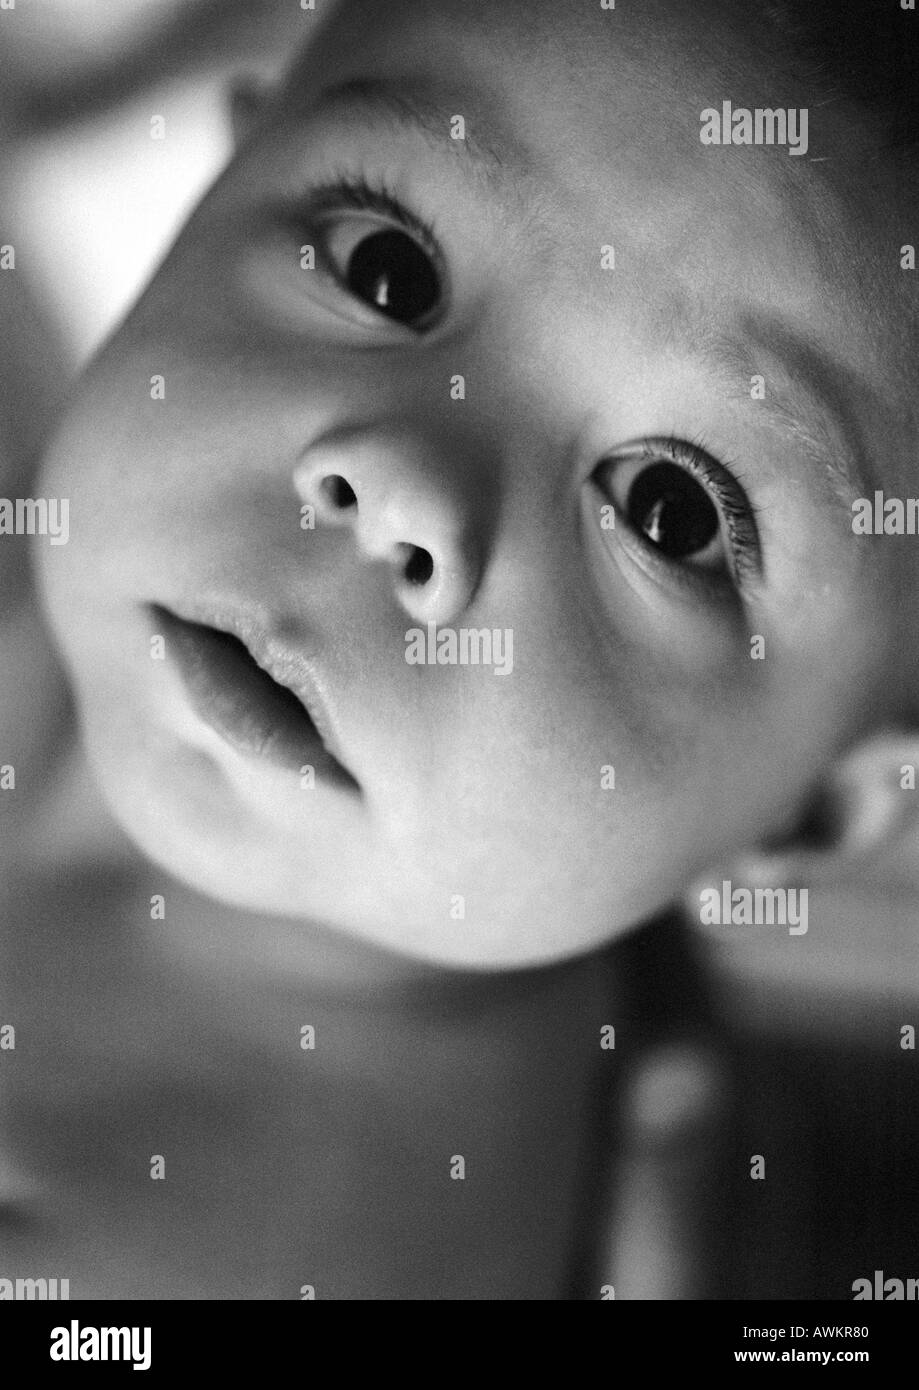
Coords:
459,662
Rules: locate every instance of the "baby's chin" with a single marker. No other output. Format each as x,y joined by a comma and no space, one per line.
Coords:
496,942
225,864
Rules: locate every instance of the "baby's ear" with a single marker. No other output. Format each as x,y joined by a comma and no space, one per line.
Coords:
862,822
249,97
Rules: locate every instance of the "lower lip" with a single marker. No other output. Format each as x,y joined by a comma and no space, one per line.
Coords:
252,713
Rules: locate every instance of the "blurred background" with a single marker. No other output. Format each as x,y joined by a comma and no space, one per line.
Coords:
90,201
89,197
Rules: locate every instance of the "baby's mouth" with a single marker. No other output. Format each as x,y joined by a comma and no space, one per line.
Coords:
255,713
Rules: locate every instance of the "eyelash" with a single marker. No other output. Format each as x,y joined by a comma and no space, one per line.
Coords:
723,482
357,193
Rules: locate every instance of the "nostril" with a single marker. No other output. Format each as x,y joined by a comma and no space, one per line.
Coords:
338,492
419,567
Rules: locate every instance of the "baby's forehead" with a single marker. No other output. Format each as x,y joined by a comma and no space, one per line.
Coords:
666,58
597,87
664,44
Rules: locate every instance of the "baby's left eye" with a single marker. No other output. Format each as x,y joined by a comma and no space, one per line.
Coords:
685,509
384,267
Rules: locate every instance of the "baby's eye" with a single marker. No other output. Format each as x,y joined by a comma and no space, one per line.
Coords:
383,260
671,510
384,267
684,506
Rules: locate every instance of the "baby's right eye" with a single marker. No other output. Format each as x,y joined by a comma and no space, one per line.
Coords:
380,254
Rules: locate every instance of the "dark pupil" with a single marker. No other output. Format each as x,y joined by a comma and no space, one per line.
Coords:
672,510
394,276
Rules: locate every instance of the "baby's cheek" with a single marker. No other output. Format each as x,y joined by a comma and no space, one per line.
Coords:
627,771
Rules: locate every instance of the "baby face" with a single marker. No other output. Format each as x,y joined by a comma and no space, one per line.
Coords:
461,547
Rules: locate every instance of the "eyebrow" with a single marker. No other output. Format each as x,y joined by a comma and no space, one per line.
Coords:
418,108
809,397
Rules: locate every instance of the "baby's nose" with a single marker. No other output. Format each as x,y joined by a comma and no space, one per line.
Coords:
402,510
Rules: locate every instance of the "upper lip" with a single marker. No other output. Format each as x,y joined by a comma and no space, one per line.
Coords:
290,666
